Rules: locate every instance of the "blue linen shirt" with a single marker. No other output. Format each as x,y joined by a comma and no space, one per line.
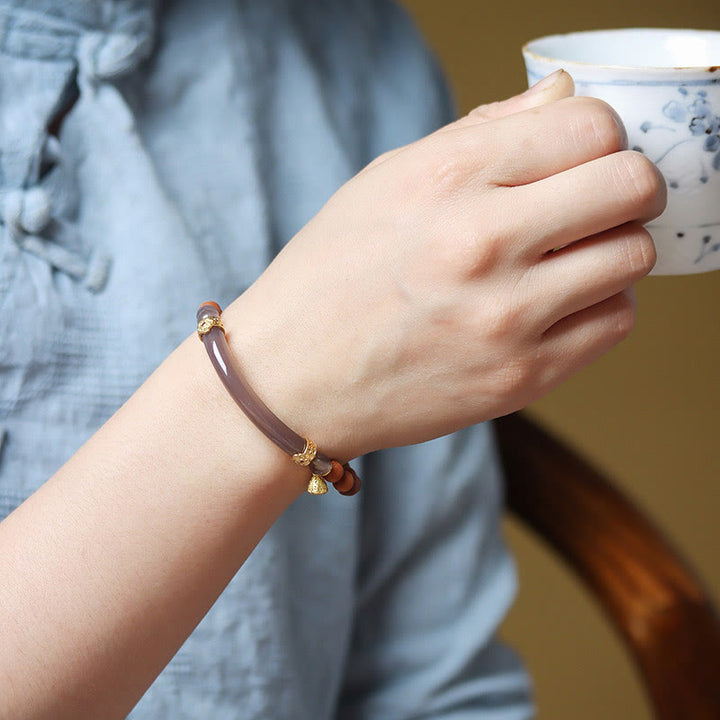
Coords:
204,135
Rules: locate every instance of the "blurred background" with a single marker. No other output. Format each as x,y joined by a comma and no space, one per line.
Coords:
648,413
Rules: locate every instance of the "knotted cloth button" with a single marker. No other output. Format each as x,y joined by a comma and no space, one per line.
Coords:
36,211
27,213
27,210
103,55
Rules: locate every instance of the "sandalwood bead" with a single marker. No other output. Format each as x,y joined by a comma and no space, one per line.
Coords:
336,472
212,304
355,487
346,482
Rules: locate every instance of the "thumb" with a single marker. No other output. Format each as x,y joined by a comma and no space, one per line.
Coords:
555,86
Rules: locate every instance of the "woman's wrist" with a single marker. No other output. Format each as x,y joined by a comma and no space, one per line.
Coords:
288,368
302,450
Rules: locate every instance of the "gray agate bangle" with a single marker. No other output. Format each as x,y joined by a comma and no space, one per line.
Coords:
211,332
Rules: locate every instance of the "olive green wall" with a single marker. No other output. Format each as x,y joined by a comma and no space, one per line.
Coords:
648,413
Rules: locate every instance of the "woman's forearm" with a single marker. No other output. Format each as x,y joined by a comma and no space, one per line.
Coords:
107,569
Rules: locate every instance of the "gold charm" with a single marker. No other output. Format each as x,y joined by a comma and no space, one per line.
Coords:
317,486
307,455
207,324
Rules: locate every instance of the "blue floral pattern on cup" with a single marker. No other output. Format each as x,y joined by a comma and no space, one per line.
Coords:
695,118
695,112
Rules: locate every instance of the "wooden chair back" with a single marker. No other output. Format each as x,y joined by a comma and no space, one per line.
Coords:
666,618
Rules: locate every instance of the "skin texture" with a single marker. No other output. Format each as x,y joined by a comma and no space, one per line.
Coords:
462,277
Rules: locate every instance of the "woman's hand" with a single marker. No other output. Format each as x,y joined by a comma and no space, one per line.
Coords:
456,279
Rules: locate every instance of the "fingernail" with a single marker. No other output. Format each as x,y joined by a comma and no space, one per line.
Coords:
545,83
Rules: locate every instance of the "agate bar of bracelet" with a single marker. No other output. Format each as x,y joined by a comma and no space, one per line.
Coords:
246,398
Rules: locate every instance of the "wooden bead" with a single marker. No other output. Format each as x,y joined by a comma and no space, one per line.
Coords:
212,304
336,472
355,487
345,483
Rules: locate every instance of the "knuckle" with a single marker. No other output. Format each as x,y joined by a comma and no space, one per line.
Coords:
642,182
599,121
492,232
513,377
486,112
516,376
445,174
483,252
509,317
510,321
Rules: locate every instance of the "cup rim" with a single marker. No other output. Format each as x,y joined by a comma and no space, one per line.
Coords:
528,52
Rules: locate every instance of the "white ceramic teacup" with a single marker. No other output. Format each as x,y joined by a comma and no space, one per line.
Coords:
665,85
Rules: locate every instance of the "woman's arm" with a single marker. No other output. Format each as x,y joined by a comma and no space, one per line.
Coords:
424,297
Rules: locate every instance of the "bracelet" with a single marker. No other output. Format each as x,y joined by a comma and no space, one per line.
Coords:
304,452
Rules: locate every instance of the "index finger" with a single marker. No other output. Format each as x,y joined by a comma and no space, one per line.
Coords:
534,144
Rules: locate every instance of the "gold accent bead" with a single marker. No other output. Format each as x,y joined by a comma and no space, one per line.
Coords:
307,455
207,324
317,486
